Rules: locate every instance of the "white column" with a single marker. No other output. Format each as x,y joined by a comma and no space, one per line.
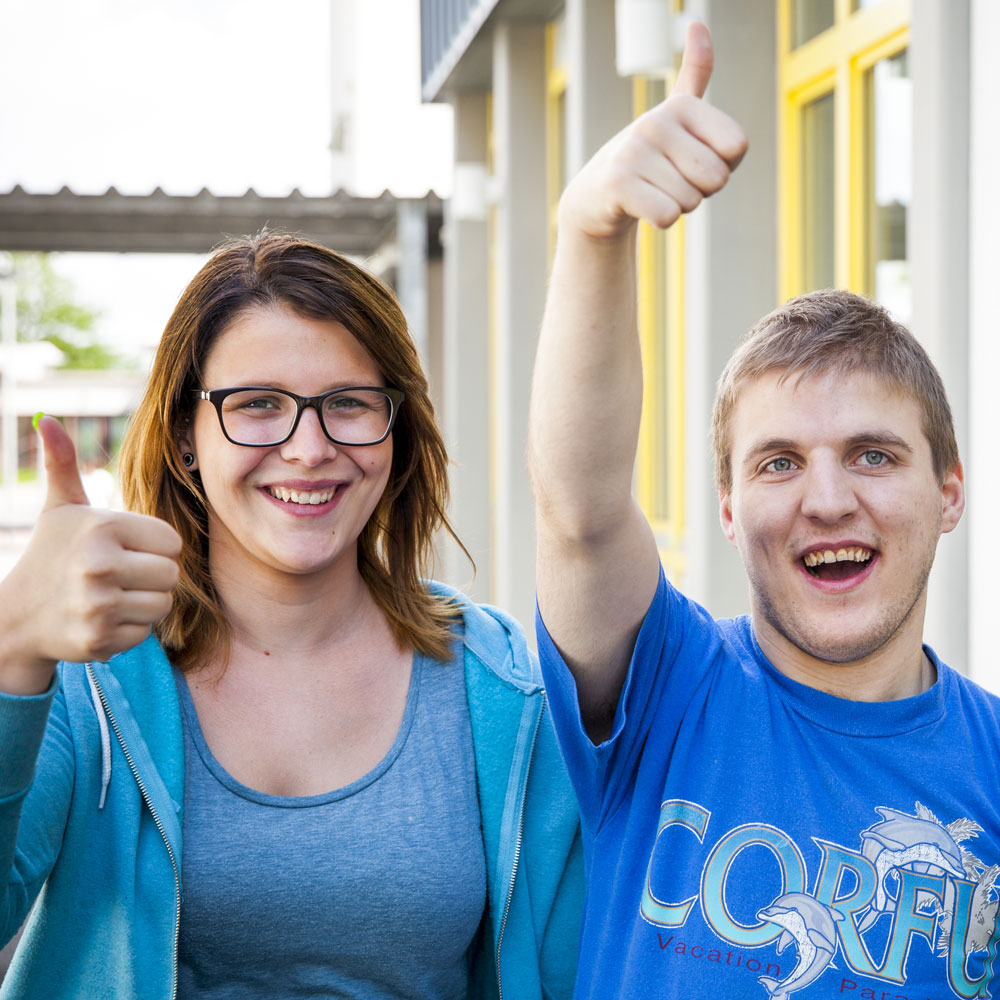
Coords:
937,244
731,276
466,383
982,467
411,269
598,100
521,268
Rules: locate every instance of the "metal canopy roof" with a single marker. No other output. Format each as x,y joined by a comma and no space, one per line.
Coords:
164,223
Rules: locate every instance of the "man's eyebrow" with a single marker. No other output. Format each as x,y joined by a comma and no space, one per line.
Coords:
770,444
884,438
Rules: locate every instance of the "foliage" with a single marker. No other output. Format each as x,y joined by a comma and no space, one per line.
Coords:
47,309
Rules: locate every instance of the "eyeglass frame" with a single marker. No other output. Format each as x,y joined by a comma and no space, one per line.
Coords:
217,396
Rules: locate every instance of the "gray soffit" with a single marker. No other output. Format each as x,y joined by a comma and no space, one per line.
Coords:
163,223
455,45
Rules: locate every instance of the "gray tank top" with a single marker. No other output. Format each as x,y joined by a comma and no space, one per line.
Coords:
372,891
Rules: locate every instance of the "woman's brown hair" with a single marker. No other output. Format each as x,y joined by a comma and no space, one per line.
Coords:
395,547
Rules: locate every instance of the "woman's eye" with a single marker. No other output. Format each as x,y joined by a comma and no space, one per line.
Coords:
780,465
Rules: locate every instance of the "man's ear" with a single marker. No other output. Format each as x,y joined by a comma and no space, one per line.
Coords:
726,516
952,498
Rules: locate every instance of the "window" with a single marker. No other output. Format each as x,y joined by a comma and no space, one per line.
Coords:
846,141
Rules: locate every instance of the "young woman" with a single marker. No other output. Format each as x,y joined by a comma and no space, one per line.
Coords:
320,775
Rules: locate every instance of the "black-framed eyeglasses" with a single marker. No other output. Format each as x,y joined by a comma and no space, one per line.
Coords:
259,416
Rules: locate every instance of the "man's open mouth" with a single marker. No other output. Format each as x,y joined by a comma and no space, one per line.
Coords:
837,564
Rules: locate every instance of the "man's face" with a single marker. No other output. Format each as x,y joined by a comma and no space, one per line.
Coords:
836,511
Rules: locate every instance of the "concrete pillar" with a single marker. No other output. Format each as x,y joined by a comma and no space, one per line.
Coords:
598,101
938,245
411,269
465,386
521,267
731,276
982,468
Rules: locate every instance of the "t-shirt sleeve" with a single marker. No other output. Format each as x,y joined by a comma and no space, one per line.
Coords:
675,645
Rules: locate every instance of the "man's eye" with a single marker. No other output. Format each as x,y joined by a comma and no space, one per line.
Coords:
873,457
779,465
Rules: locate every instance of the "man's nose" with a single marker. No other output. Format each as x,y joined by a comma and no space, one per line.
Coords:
828,490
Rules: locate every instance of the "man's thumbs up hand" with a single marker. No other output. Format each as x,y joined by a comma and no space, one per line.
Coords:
90,583
664,163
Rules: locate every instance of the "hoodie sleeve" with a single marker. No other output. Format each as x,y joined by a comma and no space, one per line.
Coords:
36,767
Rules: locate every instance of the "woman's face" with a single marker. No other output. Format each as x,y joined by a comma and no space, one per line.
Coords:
298,507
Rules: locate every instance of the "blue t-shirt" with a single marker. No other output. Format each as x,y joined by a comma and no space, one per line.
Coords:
375,890
749,837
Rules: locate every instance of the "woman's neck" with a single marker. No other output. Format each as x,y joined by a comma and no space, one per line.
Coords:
306,620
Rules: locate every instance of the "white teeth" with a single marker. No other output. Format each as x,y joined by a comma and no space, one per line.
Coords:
295,496
849,554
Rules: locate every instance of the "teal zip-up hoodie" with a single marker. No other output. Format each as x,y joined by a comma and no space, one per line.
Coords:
91,812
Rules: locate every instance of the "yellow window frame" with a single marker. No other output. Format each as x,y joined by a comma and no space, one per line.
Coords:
555,124
838,61
661,334
494,342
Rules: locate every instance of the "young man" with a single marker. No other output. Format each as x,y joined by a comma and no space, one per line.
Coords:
804,801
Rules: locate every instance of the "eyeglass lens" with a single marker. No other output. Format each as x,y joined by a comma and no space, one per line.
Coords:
266,416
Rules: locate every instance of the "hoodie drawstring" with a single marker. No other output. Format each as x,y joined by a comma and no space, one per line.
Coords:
105,739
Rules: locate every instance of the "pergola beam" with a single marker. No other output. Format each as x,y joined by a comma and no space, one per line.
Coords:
163,223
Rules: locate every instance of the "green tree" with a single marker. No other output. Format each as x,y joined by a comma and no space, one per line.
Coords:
47,310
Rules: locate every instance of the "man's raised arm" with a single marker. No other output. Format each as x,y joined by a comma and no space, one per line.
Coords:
597,559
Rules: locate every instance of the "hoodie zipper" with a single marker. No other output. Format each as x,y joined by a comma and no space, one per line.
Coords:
517,848
152,809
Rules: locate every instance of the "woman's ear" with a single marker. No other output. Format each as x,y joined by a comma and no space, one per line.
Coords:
186,446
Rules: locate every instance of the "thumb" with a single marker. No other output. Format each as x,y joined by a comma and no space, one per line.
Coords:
64,483
697,62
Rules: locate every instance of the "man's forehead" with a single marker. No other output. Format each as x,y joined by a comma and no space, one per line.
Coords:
786,408
832,376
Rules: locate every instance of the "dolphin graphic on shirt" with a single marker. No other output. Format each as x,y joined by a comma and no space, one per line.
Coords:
905,841
811,925
982,911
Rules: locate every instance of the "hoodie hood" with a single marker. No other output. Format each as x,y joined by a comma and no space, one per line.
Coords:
496,639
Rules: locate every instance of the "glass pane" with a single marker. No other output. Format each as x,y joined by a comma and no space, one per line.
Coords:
817,193
809,18
890,130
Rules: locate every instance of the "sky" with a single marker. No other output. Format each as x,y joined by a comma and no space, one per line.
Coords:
186,94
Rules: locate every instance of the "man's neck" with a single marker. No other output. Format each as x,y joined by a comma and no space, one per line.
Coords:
898,669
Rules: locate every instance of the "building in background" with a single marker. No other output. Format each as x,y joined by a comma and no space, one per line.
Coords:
872,148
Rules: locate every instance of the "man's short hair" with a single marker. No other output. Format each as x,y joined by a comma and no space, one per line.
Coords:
834,332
